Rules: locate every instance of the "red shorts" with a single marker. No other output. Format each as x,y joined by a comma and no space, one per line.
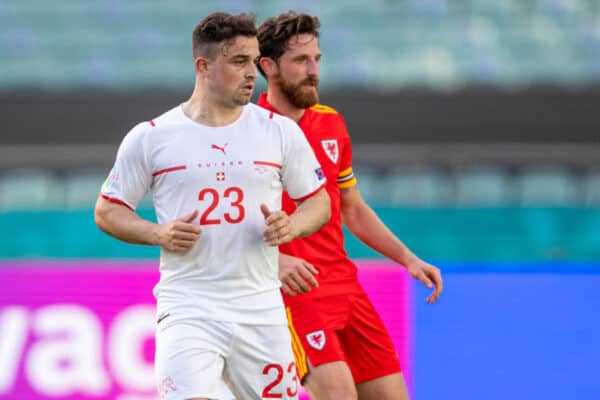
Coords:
341,328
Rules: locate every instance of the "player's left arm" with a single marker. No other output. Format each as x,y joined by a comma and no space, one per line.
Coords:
364,223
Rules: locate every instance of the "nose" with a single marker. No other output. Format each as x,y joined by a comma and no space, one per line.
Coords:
313,67
252,71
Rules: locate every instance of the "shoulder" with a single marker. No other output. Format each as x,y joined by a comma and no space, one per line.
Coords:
173,116
261,113
157,127
323,117
258,112
138,132
143,130
271,118
325,114
323,109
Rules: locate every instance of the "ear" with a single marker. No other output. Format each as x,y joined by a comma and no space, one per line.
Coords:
201,64
268,65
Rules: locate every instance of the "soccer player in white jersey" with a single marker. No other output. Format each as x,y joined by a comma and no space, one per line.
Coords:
216,166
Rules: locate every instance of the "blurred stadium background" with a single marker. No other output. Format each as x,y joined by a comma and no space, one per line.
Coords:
476,137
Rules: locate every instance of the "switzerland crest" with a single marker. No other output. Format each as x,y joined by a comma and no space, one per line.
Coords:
331,149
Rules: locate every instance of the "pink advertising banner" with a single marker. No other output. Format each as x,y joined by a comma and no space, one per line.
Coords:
85,330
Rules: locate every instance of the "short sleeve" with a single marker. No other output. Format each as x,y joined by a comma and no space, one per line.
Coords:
130,178
302,174
346,176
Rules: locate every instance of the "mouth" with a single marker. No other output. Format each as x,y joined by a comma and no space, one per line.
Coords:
248,86
310,83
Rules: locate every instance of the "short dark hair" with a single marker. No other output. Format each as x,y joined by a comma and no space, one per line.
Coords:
275,32
219,27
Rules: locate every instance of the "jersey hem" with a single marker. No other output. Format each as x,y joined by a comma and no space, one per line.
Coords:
380,373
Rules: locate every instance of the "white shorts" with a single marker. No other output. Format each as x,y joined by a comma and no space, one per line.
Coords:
224,360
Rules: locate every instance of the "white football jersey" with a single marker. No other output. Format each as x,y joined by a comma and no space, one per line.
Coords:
226,173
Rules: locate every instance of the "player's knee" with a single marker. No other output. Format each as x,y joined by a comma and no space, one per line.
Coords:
341,392
333,391
331,381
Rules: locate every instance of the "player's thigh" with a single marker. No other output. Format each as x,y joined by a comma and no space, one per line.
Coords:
330,381
189,360
367,344
261,364
313,324
389,387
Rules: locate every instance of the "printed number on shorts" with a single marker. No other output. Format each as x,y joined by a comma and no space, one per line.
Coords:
270,391
234,195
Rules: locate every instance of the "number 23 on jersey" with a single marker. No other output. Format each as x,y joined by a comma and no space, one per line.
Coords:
233,196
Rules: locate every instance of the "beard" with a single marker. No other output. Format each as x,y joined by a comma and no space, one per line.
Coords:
296,94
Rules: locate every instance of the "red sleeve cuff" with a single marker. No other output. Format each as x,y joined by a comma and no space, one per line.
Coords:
116,201
310,194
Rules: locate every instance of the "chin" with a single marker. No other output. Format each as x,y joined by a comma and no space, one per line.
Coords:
242,102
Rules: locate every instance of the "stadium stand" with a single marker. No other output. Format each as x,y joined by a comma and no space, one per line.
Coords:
427,187
399,43
69,54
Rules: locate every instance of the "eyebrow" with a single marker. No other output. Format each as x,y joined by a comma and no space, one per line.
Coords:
237,57
304,55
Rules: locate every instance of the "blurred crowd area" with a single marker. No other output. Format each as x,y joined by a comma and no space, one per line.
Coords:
407,74
427,187
386,44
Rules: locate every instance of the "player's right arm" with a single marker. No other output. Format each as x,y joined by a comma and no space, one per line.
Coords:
127,183
124,224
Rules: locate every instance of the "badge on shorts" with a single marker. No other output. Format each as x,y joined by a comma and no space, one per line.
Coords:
316,339
331,149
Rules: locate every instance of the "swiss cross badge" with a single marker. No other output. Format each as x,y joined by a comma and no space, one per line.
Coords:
316,339
331,149
220,176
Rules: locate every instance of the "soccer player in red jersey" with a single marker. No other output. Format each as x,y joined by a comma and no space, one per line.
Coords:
342,349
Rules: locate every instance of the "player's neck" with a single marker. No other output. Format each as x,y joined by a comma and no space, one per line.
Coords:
279,100
204,111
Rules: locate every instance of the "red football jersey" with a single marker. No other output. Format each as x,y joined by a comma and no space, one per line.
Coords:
328,136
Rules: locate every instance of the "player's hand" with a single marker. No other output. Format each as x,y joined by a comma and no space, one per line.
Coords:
429,275
296,275
179,235
279,228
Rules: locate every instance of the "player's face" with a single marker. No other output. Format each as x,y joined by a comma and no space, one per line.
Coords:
298,71
233,72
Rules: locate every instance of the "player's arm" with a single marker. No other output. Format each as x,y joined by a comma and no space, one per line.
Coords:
296,275
310,215
124,224
364,223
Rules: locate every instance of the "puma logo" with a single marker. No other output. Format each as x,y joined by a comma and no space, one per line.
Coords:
214,146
